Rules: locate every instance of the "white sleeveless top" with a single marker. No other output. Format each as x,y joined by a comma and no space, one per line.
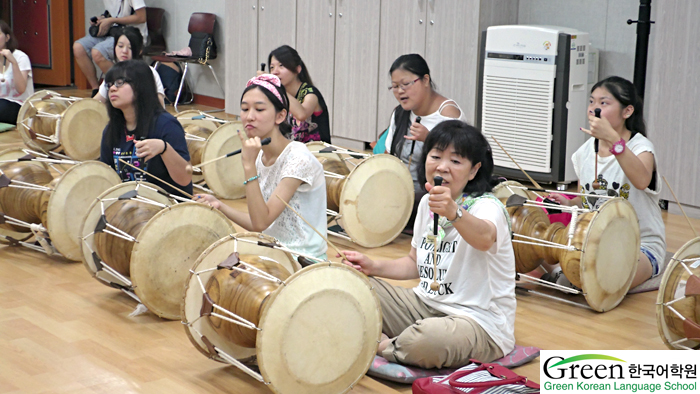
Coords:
429,121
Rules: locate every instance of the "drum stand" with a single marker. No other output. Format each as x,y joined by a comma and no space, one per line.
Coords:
575,211
210,308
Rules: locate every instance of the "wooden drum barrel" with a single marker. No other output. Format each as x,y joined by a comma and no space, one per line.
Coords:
24,204
195,146
129,216
244,295
334,185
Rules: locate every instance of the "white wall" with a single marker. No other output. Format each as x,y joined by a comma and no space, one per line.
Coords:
177,16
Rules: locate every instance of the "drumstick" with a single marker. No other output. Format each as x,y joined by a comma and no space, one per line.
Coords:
4,65
435,285
413,146
595,148
155,177
681,207
312,227
237,151
537,185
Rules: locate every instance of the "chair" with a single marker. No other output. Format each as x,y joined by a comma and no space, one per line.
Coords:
155,17
200,22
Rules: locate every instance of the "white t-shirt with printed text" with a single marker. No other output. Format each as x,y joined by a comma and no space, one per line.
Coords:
7,88
296,161
614,182
122,8
473,283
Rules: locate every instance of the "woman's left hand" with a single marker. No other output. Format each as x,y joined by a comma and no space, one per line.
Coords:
417,132
601,129
249,150
149,149
440,201
8,55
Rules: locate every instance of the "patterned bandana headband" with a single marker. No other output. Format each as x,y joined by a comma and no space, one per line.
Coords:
268,81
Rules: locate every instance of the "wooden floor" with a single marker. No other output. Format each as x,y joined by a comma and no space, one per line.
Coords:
62,331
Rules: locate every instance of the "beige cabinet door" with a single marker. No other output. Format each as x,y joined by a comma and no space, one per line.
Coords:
402,30
277,23
356,68
316,45
452,50
241,49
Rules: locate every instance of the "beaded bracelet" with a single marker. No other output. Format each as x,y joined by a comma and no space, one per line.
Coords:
251,179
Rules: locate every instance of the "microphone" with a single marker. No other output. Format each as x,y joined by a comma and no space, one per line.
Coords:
413,146
597,115
262,66
438,182
595,183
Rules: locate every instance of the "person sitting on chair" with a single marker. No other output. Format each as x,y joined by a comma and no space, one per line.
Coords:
141,133
99,48
129,46
16,79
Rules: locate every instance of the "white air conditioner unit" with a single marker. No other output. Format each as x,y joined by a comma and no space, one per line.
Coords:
532,97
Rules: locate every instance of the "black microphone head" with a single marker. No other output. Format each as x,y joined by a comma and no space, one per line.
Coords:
265,141
438,180
418,118
597,112
262,66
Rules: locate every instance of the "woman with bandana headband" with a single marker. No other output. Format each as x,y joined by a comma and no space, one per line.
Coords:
281,168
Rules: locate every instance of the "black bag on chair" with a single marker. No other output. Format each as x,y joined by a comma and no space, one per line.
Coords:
171,83
203,46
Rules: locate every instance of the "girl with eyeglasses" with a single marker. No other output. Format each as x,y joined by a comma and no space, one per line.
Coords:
16,78
307,108
129,45
414,89
282,168
140,132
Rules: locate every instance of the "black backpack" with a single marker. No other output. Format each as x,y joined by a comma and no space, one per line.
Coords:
171,83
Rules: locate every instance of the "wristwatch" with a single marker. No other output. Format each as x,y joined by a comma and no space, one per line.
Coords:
618,147
458,215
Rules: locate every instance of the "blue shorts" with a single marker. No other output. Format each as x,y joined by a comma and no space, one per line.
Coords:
103,44
655,268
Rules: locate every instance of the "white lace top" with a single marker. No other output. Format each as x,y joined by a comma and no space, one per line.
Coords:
296,161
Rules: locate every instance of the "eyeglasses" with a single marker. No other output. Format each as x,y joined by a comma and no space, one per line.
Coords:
403,86
118,83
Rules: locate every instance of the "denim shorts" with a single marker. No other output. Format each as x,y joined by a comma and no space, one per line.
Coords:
655,268
103,44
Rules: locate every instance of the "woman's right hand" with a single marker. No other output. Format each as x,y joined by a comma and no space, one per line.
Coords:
207,199
359,261
560,198
250,147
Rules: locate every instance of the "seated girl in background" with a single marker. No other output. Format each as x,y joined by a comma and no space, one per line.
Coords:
282,168
414,89
140,132
472,312
309,114
129,46
16,83
626,168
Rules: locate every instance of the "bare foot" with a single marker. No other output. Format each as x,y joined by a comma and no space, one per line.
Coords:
383,343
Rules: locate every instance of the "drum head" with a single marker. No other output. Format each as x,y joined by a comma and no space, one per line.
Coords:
167,248
507,188
27,111
80,129
377,200
192,301
320,331
70,200
224,177
94,212
185,118
673,287
610,254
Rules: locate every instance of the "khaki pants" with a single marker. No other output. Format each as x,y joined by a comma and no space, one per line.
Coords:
428,338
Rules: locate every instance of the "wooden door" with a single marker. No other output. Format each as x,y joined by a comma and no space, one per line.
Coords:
43,30
356,68
316,44
452,50
402,30
276,26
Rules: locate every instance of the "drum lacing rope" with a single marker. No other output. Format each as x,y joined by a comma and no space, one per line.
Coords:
206,116
333,175
232,360
235,319
50,139
551,285
572,227
557,191
30,186
200,187
282,248
104,266
544,243
22,243
669,303
193,137
39,231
